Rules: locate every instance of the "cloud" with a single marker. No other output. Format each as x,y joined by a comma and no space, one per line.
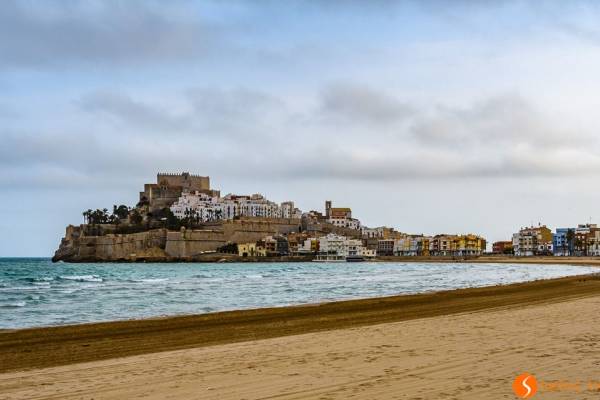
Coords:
361,104
60,33
506,120
245,133
222,114
122,109
504,136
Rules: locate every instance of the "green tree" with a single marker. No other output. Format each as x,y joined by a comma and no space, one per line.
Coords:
135,217
121,211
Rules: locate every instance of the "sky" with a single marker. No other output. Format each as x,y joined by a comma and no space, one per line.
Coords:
428,116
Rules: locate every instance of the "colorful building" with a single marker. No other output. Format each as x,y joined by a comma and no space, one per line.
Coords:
502,247
457,245
532,241
584,240
251,250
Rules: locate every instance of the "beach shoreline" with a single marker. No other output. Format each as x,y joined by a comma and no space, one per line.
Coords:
62,345
228,258
496,259
470,355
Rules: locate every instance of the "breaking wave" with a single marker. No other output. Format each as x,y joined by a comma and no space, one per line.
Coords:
16,304
82,278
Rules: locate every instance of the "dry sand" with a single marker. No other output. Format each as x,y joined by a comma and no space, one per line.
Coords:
459,344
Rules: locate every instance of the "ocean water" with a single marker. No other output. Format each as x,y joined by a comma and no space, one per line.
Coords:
36,292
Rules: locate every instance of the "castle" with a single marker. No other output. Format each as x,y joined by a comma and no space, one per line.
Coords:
169,187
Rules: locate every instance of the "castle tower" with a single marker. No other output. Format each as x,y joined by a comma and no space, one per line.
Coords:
328,208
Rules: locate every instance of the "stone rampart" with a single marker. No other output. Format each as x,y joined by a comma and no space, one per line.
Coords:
159,244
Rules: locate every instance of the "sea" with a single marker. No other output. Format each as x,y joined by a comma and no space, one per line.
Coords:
36,292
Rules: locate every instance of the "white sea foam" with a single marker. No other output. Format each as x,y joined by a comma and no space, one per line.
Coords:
15,304
214,280
44,279
17,288
152,280
91,286
82,278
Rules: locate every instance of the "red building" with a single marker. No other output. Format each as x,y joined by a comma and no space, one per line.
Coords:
502,247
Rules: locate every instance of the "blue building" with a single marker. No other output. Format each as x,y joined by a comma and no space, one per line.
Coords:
560,244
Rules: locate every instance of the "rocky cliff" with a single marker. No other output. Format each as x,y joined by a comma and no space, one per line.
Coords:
98,244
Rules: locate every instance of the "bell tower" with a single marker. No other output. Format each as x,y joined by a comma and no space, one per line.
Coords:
328,208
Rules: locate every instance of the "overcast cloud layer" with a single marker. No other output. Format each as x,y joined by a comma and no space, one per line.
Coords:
427,116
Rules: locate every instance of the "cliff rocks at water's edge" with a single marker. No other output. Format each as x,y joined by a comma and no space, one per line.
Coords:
87,243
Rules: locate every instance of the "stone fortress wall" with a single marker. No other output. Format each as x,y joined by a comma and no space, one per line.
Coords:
188,243
162,245
323,228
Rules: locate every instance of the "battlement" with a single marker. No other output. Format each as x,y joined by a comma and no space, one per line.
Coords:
177,174
185,180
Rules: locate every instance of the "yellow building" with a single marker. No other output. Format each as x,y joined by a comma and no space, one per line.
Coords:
470,244
251,250
457,245
423,249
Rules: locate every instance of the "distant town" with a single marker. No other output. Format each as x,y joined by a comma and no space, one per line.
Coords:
583,240
181,218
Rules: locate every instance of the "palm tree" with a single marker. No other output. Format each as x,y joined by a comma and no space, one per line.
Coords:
570,237
86,216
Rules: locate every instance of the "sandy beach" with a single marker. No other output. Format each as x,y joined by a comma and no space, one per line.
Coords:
458,344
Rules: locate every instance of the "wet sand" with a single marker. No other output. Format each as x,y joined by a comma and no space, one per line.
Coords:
459,344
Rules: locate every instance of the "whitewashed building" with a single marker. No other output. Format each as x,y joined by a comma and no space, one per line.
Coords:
288,210
207,208
337,247
372,233
345,222
340,216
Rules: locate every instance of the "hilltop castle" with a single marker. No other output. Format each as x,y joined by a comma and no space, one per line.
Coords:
169,187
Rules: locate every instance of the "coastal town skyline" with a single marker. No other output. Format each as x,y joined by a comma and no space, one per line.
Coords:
206,224
501,237
425,123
